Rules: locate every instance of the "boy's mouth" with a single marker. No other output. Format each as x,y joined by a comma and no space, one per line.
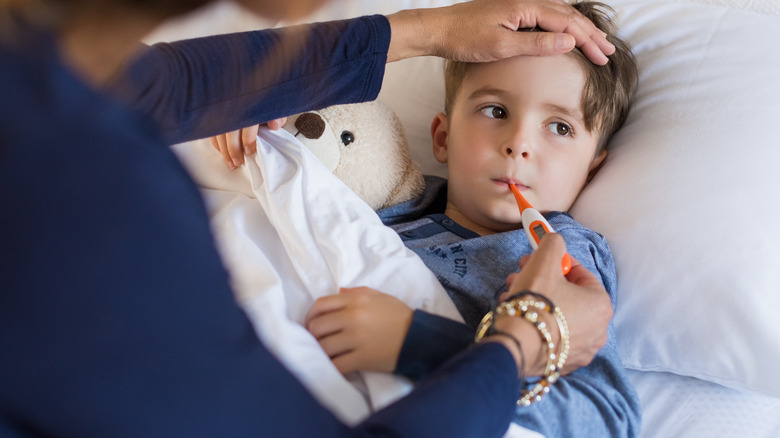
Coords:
507,181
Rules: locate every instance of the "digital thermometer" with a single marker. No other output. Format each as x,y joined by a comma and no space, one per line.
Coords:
536,226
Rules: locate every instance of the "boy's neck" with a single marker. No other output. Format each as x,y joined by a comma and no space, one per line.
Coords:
459,218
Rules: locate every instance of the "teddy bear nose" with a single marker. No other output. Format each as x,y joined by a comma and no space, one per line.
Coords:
310,125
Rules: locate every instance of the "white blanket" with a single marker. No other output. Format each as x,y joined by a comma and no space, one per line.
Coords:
291,232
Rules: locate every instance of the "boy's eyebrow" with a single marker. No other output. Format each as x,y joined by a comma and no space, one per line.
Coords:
487,91
571,112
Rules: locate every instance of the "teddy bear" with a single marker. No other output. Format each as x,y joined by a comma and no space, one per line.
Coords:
365,146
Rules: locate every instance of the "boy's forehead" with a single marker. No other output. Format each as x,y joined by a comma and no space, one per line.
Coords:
559,80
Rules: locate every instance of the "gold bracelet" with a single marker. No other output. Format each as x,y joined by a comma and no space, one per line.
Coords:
563,328
529,310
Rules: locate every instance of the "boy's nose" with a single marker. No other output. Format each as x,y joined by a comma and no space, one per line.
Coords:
522,151
518,142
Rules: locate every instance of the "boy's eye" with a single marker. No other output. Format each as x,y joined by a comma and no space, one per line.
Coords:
559,128
494,112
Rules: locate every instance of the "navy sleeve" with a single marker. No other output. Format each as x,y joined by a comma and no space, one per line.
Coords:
430,341
206,86
464,387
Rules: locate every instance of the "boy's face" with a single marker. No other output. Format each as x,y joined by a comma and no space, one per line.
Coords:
518,121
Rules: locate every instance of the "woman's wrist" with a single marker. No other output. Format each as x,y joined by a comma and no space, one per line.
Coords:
413,32
511,343
531,361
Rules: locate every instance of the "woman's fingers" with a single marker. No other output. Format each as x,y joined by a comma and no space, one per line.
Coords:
235,145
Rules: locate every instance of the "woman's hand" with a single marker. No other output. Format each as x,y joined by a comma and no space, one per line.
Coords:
360,328
486,30
580,295
235,145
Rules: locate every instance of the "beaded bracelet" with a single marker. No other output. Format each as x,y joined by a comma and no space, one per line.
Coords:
563,329
551,373
525,293
529,310
560,320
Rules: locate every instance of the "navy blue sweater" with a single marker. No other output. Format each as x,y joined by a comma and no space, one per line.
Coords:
116,318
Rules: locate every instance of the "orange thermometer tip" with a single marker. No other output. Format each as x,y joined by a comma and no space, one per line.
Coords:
521,202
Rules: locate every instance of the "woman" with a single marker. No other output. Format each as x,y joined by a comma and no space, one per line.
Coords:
116,318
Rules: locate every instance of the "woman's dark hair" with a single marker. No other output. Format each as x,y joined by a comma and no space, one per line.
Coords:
52,13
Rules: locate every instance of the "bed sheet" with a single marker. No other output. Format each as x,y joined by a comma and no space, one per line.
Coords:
681,406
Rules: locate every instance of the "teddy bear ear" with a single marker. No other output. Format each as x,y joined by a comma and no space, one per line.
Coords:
314,132
311,125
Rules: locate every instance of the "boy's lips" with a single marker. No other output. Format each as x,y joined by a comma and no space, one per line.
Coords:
520,186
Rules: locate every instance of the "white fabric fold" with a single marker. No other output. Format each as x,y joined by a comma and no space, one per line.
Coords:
291,232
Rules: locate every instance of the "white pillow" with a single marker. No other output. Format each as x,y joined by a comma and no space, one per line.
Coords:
689,194
686,194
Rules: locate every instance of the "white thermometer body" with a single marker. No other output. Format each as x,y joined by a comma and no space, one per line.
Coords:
536,226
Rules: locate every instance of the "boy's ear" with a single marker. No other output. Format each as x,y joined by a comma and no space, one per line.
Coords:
595,165
439,134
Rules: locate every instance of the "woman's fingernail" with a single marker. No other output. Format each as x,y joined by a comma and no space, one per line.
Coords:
564,42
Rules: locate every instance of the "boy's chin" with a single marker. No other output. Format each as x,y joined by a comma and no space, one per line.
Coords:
503,225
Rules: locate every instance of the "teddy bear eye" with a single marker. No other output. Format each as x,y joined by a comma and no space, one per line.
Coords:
347,138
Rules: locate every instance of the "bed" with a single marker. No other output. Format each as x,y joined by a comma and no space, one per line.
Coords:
687,200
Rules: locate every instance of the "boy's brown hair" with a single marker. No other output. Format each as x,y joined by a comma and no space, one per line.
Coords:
609,89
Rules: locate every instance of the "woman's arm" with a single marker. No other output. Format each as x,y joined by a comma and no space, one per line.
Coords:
206,86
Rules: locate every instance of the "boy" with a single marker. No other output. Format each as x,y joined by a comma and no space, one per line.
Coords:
540,123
